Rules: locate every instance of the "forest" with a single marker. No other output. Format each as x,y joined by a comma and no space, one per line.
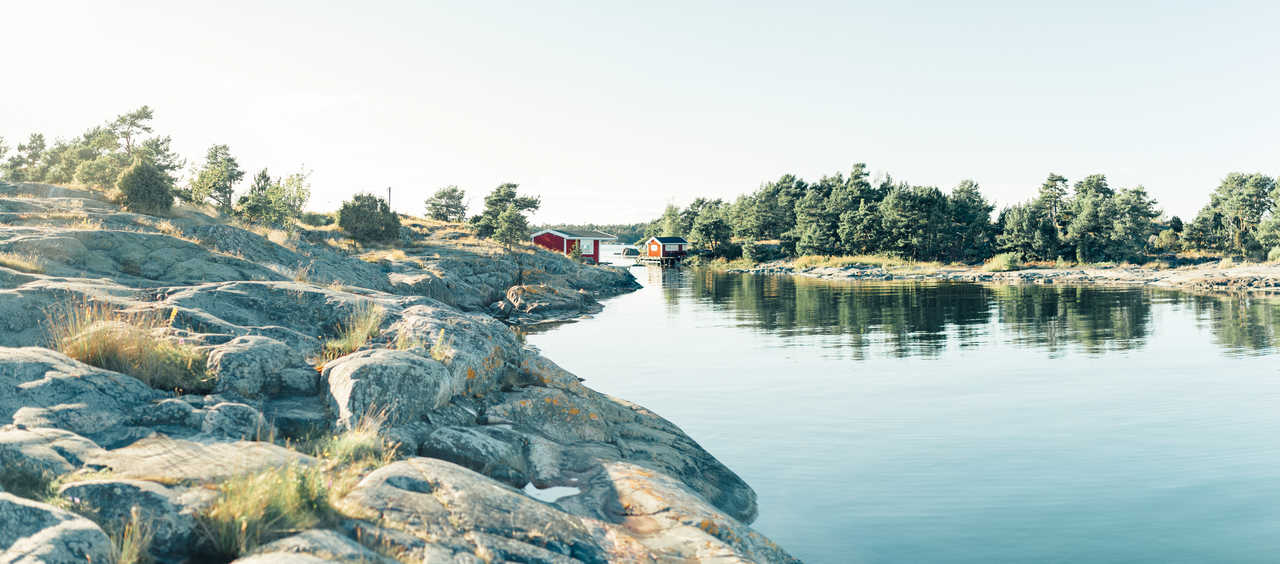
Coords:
1085,221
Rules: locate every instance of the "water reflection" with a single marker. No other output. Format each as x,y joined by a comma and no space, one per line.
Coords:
924,318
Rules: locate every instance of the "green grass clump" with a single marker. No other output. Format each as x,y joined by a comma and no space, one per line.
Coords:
131,542
129,343
255,509
1002,262
24,263
355,331
361,444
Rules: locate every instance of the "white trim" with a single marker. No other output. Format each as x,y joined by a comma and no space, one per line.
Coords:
564,235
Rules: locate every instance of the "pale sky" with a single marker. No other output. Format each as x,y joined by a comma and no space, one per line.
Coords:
610,110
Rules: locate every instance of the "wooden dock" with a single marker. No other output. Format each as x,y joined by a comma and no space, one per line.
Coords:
660,261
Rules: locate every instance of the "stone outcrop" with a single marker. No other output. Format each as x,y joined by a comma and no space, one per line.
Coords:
36,532
481,424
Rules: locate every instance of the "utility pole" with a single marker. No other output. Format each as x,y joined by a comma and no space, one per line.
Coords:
388,197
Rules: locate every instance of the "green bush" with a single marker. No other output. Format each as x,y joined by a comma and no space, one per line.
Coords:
145,188
762,252
316,219
1273,255
368,218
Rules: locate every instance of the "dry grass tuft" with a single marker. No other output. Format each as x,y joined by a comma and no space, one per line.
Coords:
1002,262
362,443
131,543
96,334
383,254
442,350
359,327
22,262
254,509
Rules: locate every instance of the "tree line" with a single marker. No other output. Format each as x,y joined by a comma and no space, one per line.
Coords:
121,154
1085,221
146,175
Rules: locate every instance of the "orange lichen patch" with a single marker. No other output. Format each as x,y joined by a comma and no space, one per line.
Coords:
471,373
548,400
574,411
709,526
593,416
524,403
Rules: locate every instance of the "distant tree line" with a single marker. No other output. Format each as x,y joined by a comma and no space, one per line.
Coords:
1084,221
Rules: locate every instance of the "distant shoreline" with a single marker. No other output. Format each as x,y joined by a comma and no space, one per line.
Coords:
1247,278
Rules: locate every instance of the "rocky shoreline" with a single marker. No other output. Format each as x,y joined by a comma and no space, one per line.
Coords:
1207,277
476,426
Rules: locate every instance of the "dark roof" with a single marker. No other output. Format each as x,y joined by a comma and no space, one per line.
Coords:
583,233
670,240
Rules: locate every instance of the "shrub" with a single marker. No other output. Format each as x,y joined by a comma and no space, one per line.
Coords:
1273,255
356,330
1002,262
257,508
368,218
728,251
316,219
97,335
145,189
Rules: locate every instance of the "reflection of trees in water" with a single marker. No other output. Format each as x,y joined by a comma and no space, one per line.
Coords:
1053,317
1239,322
920,319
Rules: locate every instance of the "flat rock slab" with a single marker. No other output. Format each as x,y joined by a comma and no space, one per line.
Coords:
44,388
168,460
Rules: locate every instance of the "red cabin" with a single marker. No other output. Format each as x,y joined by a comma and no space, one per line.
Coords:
666,247
586,243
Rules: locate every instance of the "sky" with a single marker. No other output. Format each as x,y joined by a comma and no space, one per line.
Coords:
611,110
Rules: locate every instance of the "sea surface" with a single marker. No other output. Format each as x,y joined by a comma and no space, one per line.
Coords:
930,422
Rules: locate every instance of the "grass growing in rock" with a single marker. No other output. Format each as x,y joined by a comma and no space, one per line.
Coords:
356,330
359,443
130,343
131,542
257,508
25,263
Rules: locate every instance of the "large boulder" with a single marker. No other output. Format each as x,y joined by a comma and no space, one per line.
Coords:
496,452
255,366
32,532
397,385
230,420
463,512
169,513
44,388
534,303
316,545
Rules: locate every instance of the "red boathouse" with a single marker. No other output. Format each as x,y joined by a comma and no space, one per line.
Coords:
666,247
564,241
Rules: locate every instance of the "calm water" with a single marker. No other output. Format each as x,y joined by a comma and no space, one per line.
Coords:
963,423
